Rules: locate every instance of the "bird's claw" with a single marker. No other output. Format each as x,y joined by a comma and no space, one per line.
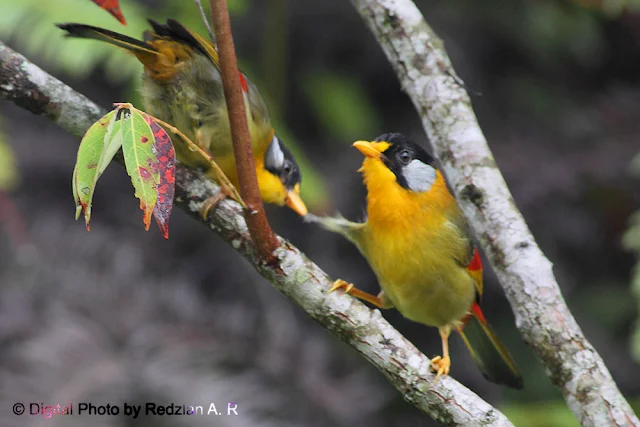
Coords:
338,284
441,365
213,201
210,203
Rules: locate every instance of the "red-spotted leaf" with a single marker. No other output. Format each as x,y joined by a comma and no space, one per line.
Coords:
166,166
113,7
141,162
94,154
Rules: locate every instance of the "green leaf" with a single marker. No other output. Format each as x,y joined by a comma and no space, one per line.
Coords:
112,143
141,162
91,161
79,57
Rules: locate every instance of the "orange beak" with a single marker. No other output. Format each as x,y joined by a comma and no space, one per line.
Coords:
369,149
295,203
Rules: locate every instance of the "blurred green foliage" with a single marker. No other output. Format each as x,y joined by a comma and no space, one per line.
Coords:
631,241
30,23
547,32
313,189
614,8
546,414
342,105
8,166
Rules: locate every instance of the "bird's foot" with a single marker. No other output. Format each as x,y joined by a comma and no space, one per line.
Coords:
441,365
341,284
213,201
379,301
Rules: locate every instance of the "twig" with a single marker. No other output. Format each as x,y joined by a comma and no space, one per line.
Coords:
295,276
206,21
546,324
256,218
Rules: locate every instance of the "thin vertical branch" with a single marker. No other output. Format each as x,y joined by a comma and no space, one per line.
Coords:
205,20
257,223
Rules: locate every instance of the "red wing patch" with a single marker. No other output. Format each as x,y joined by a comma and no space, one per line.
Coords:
243,83
476,263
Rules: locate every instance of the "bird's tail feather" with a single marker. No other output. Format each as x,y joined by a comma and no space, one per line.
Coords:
488,352
90,32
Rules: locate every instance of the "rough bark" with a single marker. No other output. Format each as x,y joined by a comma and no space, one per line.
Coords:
546,324
293,274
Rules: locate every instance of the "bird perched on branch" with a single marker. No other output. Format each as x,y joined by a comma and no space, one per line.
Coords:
418,243
182,86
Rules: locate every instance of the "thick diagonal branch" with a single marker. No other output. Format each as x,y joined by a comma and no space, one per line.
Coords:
424,69
293,274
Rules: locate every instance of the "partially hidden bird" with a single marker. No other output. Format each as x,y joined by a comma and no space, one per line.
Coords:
419,246
182,85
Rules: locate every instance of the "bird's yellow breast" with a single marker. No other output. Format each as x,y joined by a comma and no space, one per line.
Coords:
414,246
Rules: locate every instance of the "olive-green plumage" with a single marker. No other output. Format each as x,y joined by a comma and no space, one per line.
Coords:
182,85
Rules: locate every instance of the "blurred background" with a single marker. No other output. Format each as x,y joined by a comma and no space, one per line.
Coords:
121,315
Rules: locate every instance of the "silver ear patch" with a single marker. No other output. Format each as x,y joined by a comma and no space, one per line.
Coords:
419,176
274,157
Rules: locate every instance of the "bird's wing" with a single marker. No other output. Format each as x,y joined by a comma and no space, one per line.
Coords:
470,258
349,229
219,133
257,112
475,270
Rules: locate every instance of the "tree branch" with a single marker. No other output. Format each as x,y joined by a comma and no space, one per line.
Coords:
546,324
293,274
259,228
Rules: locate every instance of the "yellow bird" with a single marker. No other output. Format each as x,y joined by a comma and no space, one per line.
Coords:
182,86
418,243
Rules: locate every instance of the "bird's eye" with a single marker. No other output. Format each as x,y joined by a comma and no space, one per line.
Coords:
287,168
404,156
